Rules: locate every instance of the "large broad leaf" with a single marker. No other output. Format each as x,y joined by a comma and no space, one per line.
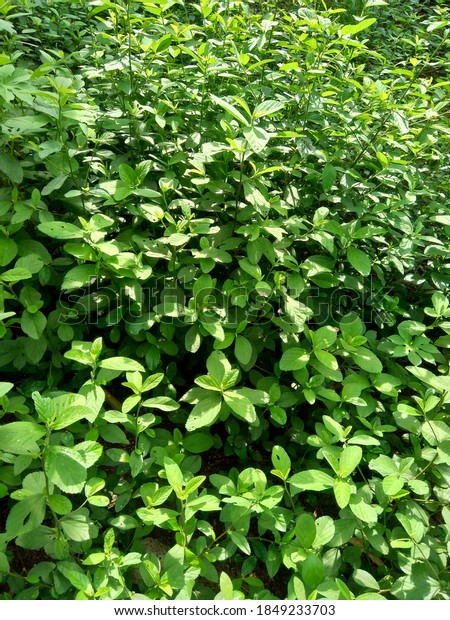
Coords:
240,405
163,403
359,261
367,360
10,166
231,109
324,337
123,364
78,526
355,28
198,442
218,365
79,277
205,412
441,383
270,106
281,461
26,514
257,138
33,324
15,275
419,584
313,571
327,359
241,542
243,350
76,576
311,480
328,177
305,530
60,230
350,458
21,437
65,468
342,493
365,512
294,359
8,250
36,538
62,411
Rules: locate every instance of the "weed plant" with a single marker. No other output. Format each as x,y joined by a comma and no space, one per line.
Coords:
224,299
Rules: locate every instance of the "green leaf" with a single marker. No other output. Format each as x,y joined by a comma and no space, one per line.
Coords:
36,538
163,403
296,589
33,324
419,584
313,571
342,493
194,483
152,381
21,437
273,560
324,337
208,383
294,359
198,442
8,250
329,174
54,184
173,473
78,526
359,261
218,366
230,108
205,412
257,138
15,275
5,387
61,411
61,230
243,350
226,587
240,405
76,576
350,458
65,469
79,277
281,461
59,504
4,564
392,485
241,542
124,522
122,364
192,340
311,480
10,166
327,359
355,28
270,106
305,530
365,579
366,512
367,360
127,175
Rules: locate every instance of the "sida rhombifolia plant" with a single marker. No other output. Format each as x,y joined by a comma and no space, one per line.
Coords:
224,318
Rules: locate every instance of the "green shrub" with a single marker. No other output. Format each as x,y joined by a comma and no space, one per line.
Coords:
224,254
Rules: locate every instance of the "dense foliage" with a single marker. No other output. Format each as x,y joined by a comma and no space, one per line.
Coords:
225,324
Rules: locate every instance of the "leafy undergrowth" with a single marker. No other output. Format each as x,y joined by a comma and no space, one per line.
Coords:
225,324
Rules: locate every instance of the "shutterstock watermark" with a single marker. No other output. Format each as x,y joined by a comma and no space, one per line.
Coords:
171,303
